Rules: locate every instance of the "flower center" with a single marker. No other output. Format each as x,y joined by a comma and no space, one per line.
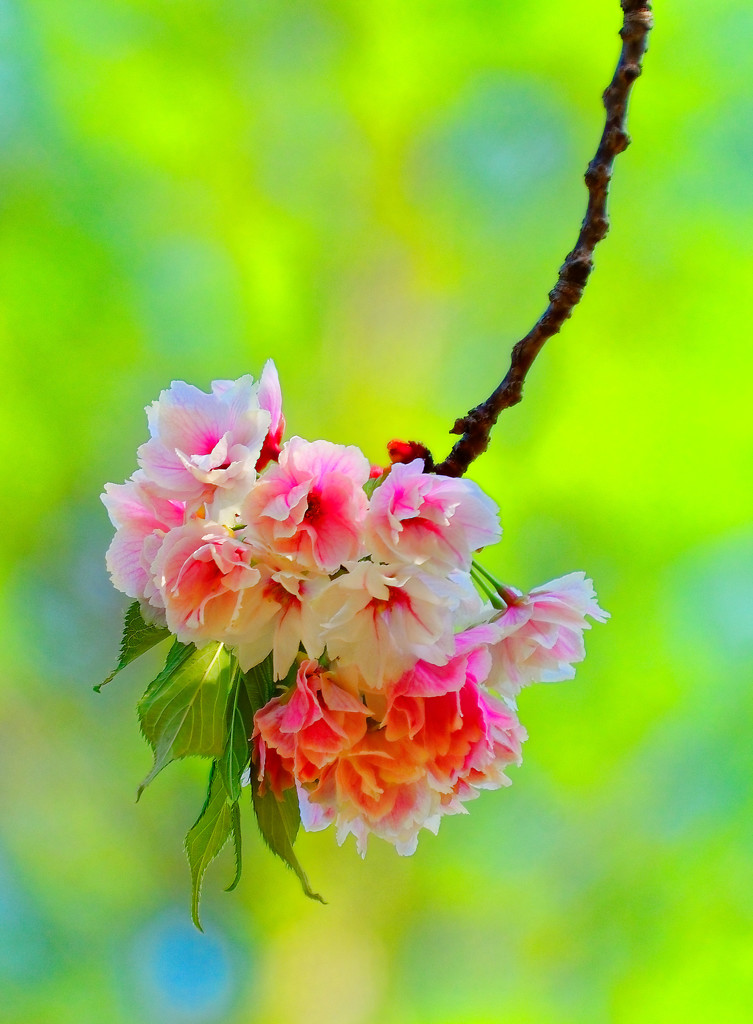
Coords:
314,509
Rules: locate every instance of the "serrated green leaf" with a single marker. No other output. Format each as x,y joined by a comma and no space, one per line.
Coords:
240,725
278,822
138,638
260,684
218,821
235,816
184,710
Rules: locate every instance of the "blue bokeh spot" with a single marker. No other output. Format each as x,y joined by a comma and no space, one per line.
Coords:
184,975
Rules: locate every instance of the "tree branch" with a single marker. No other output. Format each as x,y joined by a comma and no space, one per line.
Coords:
574,273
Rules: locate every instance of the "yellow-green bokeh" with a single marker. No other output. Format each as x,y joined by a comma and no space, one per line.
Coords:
377,194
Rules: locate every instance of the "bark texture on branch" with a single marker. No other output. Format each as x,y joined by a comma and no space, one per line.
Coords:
476,426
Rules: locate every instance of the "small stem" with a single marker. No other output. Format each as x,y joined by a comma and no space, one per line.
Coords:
484,572
491,595
508,595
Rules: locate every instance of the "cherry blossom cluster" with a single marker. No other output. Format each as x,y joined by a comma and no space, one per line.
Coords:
397,658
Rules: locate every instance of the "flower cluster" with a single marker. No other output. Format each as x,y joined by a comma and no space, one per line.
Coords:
397,658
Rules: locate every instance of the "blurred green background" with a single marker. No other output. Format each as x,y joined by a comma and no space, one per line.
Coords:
378,195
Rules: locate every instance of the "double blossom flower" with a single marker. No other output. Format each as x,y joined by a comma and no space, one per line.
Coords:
406,658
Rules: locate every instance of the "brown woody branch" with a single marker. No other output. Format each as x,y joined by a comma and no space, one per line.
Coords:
575,271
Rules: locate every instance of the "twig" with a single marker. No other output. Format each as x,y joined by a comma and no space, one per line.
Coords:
575,271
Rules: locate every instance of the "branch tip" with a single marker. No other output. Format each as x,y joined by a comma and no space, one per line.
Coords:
574,273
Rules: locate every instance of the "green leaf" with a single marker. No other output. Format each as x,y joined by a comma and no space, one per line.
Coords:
184,710
240,725
278,822
218,821
371,485
138,638
260,684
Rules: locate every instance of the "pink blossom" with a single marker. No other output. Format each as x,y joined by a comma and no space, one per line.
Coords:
201,442
376,786
307,728
200,573
443,738
310,506
539,636
429,520
497,748
383,618
279,617
270,398
274,771
464,736
137,509
405,776
314,817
